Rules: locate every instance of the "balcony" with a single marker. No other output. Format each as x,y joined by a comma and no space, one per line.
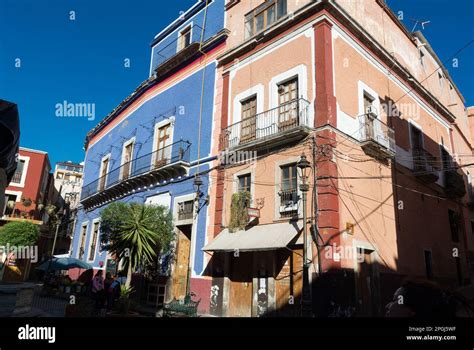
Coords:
283,124
424,166
289,203
179,50
377,139
166,163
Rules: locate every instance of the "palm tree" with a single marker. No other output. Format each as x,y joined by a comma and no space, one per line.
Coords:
136,233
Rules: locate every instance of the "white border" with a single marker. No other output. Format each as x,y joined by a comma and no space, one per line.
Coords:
97,220
23,174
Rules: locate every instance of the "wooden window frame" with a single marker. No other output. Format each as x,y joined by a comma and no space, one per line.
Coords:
263,9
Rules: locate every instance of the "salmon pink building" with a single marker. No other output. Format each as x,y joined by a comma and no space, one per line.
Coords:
387,193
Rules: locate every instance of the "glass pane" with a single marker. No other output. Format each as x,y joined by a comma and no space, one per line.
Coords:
270,15
248,26
259,22
281,8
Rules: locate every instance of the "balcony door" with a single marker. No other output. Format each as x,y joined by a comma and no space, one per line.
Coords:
248,126
417,147
127,160
103,173
288,104
163,146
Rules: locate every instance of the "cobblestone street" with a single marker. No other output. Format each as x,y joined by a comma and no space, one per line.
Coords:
41,306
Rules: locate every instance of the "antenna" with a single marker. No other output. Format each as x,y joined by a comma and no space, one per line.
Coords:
419,21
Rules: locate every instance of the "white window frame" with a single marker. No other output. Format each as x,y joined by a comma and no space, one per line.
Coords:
171,121
365,89
189,26
23,174
258,91
91,238
86,225
106,157
18,195
179,200
299,72
278,166
122,161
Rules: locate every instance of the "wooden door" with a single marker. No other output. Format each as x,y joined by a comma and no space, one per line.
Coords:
240,286
248,130
103,174
289,283
366,283
127,161
288,104
181,270
163,149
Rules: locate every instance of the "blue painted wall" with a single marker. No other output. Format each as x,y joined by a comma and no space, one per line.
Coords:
181,101
169,43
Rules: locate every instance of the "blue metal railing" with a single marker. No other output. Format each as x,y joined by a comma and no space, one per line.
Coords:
177,152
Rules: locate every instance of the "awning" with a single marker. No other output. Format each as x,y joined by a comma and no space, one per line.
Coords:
256,238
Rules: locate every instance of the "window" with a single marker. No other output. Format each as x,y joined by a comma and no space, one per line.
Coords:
10,202
163,139
445,158
185,38
441,80
428,264
245,183
451,93
416,139
186,210
289,190
264,16
127,154
249,120
156,294
67,177
422,58
82,242
103,173
18,175
454,223
95,234
59,176
288,104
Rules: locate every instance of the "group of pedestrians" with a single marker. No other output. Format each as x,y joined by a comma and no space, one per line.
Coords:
105,291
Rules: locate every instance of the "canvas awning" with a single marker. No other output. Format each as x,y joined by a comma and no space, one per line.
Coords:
256,238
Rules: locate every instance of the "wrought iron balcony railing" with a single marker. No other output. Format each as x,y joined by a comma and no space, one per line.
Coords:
424,165
178,152
177,51
289,202
377,136
275,121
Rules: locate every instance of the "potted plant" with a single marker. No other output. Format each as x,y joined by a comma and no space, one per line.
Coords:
27,202
124,299
51,209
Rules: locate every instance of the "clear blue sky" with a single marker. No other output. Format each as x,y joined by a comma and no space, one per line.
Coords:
82,61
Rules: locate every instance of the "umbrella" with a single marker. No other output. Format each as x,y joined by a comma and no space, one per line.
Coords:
64,263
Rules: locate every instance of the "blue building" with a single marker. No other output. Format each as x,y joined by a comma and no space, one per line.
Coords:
151,147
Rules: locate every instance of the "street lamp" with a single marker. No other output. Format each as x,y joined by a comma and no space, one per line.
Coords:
303,166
